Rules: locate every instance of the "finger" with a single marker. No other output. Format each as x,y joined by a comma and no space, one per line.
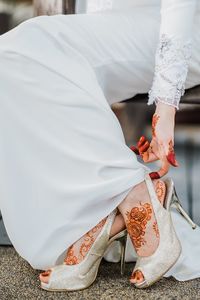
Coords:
144,148
135,150
171,157
141,141
152,154
149,157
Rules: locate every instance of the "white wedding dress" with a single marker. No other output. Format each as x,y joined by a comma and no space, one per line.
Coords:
64,164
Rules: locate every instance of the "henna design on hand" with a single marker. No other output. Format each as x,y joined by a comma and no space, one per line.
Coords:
154,124
135,150
142,146
171,155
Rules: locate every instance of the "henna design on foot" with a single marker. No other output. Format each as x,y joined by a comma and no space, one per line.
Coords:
156,230
154,123
136,223
71,258
160,190
77,252
88,240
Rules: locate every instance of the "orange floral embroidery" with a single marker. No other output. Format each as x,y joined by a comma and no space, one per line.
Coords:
154,123
137,220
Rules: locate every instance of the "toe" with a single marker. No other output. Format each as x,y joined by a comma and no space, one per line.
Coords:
137,277
133,278
44,277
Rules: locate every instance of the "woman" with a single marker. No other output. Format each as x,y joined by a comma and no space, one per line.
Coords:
65,167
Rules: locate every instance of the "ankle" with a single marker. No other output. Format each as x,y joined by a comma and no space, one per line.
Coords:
140,191
118,225
140,220
160,189
77,252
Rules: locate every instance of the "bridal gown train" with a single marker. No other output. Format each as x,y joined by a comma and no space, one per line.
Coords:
64,164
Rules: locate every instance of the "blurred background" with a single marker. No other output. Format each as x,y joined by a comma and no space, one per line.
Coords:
13,12
134,116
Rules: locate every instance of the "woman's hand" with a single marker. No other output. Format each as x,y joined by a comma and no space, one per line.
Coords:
162,144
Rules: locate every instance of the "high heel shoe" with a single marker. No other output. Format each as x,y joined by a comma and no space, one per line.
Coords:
77,277
172,201
169,249
122,238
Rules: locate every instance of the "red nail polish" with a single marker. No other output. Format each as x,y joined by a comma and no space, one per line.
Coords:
133,276
172,160
46,273
154,175
141,141
134,149
142,138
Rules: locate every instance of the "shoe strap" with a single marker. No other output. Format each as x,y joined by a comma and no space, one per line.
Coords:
104,235
152,193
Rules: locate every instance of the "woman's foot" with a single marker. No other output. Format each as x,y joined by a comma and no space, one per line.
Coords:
77,252
140,221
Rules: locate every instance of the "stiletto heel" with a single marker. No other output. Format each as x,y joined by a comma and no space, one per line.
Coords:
122,238
175,202
169,249
123,241
123,252
77,277
180,209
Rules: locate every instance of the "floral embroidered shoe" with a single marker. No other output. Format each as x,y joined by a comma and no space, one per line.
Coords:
153,267
80,276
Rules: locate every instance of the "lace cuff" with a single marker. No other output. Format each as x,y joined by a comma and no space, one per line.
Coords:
172,57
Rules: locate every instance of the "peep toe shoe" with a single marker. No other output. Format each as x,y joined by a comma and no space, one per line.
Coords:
169,249
81,276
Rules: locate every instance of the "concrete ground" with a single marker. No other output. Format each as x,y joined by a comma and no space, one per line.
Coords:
19,281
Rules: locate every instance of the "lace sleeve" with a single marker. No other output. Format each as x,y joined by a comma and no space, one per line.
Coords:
171,70
173,52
